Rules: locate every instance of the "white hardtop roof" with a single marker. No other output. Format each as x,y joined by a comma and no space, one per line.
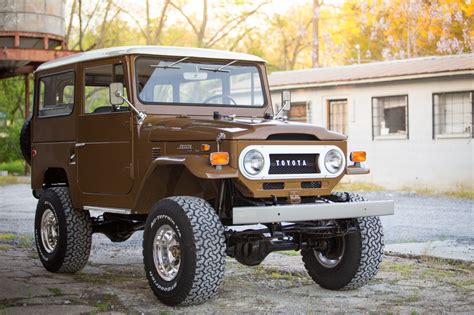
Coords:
149,50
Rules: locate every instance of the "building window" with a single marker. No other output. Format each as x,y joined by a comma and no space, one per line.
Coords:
298,112
453,114
337,116
390,117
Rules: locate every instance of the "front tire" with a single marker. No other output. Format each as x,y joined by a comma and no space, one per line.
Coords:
184,250
353,259
63,235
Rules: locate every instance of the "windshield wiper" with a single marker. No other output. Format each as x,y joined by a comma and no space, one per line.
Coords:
171,65
220,69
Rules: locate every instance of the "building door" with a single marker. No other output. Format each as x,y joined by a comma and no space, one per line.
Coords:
337,115
298,112
104,138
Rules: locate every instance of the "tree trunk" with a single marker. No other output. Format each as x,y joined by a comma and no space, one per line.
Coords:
315,41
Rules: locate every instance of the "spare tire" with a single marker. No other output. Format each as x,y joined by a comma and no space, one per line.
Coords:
25,140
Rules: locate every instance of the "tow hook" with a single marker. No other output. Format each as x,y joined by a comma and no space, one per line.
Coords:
294,198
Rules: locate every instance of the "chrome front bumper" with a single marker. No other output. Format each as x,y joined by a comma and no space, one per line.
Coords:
312,212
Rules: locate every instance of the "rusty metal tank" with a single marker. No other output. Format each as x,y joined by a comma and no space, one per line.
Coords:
35,24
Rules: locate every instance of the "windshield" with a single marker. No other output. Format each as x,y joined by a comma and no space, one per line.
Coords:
204,83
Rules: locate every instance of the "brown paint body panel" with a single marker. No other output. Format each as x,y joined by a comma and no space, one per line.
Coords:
111,161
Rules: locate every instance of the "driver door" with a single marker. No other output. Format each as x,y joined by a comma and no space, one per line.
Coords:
104,138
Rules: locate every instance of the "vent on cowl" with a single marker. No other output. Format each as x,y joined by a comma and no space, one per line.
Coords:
155,152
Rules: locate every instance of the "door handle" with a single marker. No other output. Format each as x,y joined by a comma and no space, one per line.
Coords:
78,145
72,159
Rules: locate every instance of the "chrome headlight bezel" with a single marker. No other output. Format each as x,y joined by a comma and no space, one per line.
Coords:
333,161
256,158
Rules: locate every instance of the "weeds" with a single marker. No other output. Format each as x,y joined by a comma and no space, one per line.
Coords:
12,180
56,291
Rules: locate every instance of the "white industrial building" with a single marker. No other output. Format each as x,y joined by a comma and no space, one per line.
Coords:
414,117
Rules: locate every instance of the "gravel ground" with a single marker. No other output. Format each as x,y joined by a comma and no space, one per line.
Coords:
114,278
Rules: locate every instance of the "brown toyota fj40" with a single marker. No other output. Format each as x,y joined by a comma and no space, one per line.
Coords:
184,144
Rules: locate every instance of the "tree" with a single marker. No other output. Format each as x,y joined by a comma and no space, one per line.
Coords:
230,16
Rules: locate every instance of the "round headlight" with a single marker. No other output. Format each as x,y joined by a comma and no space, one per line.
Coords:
333,161
253,162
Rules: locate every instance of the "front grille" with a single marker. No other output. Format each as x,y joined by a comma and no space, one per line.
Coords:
311,185
294,164
155,152
273,186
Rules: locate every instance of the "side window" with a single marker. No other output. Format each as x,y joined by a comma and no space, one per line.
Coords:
96,88
56,94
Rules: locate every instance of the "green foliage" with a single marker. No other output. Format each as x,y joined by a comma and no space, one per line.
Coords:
10,143
13,167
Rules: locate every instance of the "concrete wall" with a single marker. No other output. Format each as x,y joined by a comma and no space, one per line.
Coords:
417,162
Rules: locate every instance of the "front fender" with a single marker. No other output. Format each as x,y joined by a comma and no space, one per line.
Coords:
175,175
198,165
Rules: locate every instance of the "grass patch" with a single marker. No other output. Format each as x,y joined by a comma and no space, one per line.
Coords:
7,237
358,186
290,252
461,192
16,240
5,247
13,180
56,291
438,274
276,274
404,269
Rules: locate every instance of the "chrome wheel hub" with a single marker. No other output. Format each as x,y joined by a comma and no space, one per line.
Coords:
333,258
49,230
166,252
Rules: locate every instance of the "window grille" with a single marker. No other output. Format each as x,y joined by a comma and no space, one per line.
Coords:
453,114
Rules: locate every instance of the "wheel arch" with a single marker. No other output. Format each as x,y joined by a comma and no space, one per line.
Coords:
179,176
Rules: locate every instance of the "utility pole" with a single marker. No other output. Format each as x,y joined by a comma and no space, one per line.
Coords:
315,41
357,46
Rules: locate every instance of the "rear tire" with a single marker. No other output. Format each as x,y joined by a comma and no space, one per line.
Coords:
356,258
25,140
184,251
63,235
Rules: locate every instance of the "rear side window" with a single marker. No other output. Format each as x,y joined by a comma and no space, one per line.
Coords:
56,94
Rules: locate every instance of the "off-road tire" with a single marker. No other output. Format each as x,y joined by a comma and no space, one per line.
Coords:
361,258
75,232
202,247
25,140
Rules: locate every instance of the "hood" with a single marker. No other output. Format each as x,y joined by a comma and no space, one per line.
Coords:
189,129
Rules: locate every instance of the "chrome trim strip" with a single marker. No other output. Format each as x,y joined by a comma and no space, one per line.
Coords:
108,209
313,211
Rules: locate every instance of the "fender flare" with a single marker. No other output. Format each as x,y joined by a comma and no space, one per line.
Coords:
197,165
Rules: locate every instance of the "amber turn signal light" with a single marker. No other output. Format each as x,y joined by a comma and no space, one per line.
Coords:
358,156
205,147
219,158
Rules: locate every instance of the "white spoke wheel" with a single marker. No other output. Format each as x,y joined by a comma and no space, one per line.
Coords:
184,250
351,261
63,234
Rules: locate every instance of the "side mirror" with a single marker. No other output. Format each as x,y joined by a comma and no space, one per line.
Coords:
116,93
285,100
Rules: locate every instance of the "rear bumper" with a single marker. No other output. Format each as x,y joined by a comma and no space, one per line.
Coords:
312,212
